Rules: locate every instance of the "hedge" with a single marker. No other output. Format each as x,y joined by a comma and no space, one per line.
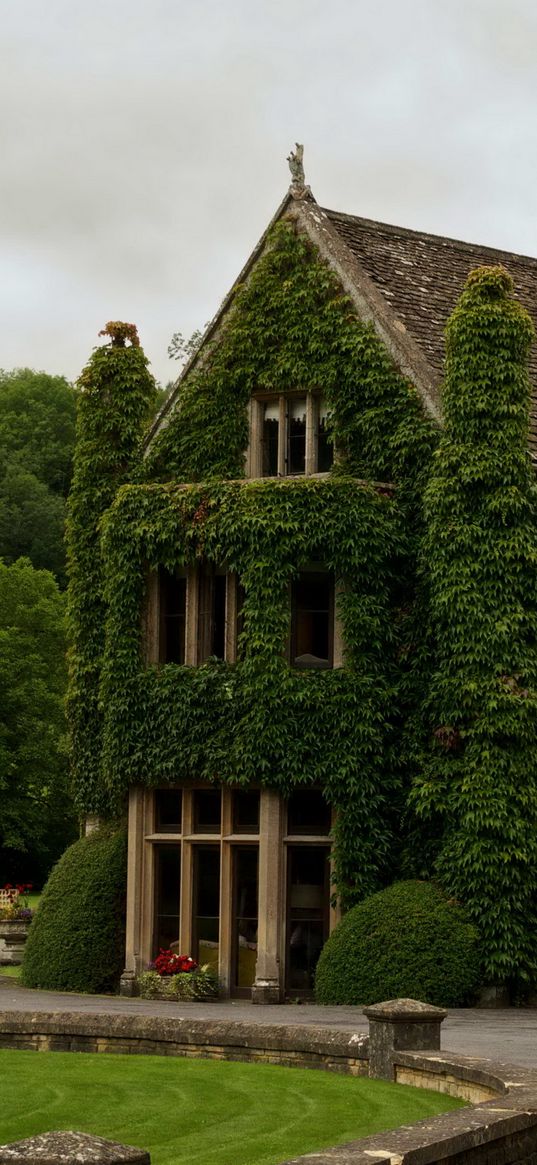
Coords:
408,941
77,939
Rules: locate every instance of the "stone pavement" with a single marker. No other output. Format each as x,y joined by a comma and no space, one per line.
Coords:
509,1035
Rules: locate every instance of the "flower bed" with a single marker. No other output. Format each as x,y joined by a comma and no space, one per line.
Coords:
15,918
175,977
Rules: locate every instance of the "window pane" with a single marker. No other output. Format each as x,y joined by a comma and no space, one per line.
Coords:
212,589
311,620
168,804
271,429
206,903
172,616
325,448
308,812
167,886
244,915
307,904
296,436
207,810
218,639
246,811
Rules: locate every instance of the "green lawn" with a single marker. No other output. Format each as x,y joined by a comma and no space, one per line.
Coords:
205,1111
14,971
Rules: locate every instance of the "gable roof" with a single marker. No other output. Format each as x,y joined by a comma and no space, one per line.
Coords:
421,276
405,282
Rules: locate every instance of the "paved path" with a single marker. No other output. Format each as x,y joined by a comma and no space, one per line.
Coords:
509,1035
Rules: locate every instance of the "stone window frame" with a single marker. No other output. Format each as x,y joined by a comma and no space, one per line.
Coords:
194,638
272,840
254,456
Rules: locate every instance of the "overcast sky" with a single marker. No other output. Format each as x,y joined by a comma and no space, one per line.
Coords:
143,146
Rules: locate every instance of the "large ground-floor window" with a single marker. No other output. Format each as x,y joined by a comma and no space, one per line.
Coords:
238,878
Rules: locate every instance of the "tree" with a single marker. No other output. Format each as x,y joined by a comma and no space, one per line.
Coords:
32,520
36,815
37,432
37,424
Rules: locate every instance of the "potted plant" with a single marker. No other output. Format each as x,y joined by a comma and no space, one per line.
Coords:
175,977
15,918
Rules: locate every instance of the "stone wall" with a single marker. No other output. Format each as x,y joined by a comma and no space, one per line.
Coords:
501,1128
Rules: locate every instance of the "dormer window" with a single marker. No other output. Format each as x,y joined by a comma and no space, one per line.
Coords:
289,436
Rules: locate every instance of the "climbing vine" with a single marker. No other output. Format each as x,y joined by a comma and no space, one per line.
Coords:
259,720
290,326
477,788
116,395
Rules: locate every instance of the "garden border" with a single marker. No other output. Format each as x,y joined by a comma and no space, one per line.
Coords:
500,1128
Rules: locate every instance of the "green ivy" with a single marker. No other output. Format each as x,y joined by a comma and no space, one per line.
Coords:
290,326
259,720
116,395
476,790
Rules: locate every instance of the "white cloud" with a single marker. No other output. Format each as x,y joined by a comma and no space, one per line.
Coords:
144,148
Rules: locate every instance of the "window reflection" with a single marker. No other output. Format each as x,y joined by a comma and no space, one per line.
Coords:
325,448
172,607
296,436
271,429
206,904
311,620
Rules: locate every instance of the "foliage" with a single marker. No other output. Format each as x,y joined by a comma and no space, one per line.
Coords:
77,939
198,983
31,520
119,332
37,425
408,941
36,815
37,421
182,349
115,399
291,325
476,788
259,720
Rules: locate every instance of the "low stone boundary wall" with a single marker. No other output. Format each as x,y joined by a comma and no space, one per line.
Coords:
293,1047
501,1128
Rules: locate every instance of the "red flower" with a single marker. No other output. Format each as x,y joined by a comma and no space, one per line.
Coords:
168,963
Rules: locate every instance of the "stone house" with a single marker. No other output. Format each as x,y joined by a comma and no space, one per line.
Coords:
241,873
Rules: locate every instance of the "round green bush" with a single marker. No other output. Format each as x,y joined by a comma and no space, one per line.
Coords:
409,941
77,938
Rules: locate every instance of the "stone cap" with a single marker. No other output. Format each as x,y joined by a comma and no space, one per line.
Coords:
66,1148
406,1011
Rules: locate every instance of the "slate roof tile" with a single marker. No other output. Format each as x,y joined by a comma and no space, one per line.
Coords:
421,276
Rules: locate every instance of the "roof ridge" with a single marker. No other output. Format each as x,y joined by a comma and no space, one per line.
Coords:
409,232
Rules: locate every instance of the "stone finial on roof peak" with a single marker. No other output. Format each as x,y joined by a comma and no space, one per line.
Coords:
298,186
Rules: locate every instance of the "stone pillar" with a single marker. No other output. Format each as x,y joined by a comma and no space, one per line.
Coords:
268,986
133,937
64,1148
400,1025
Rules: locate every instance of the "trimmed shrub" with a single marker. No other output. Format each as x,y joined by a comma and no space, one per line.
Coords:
77,939
408,941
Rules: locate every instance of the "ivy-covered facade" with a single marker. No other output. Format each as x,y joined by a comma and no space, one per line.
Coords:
282,661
